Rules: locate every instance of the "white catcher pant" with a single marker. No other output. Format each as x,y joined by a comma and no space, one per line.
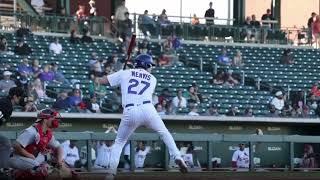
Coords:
133,117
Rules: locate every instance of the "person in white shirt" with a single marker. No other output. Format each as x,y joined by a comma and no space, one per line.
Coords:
55,47
278,101
70,153
103,154
193,110
179,101
141,153
241,158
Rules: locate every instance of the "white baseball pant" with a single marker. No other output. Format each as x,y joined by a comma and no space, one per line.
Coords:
24,163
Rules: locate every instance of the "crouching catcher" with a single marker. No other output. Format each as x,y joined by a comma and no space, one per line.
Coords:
34,146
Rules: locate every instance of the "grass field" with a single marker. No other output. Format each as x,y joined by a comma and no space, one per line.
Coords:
210,175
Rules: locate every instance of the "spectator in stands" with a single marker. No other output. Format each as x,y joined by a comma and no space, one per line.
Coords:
230,78
273,111
144,47
146,24
126,30
267,17
223,59
30,105
71,153
61,102
196,89
6,83
95,66
165,95
179,101
316,30
219,78
93,106
176,42
23,31
233,111
120,16
241,158
86,37
212,111
47,74
36,68
195,20
309,157
287,57
58,75
278,101
25,70
93,8
74,39
167,45
160,109
114,63
248,112
96,88
81,13
107,70
315,92
22,48
248,28
193,110
255,24
115,99
209,14
163,18
169,109
310,24
192,96
74,99
55,47
37,89
3,45
237,59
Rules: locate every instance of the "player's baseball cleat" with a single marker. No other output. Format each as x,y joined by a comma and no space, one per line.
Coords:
182,165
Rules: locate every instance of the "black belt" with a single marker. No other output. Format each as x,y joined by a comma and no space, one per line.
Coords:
131,104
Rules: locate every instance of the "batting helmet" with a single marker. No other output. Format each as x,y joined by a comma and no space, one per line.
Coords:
144,61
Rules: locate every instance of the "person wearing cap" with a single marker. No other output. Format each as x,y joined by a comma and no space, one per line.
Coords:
241,158
278,101
6,83
34,143
15,97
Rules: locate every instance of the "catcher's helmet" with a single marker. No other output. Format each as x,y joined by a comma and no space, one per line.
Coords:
47,113
144,61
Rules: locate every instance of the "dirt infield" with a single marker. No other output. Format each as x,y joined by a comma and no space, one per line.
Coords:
210,175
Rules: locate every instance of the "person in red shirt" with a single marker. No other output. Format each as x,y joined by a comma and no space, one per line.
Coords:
315,91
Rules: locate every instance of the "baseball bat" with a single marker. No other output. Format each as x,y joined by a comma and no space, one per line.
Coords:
129,51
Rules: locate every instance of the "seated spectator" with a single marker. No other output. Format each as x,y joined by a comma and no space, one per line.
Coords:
230,79
167,46
47,74
309,157
233,111
248,112
195,20
176,42
169,109
114,63
6,83
86,37
37,89
24,69
193,110
93,106
3,45
219,78
61,102
55,47
192,96
71,154
75,98
144,47
223,59
22,48
30,105
74,39
278,101
146,24
58,75
23,32
36,68
315,92
212,111
107,70
287,57
95,66
165,95
237,59
96,88
196,90
160,109
179,101
273,111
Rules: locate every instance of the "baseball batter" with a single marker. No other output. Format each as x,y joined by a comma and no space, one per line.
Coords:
137,86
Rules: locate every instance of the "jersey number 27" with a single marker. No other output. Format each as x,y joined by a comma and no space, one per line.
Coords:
134,83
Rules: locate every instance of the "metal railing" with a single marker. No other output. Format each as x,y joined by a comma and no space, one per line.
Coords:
210,139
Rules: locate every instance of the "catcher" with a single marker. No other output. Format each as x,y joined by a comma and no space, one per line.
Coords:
33,147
